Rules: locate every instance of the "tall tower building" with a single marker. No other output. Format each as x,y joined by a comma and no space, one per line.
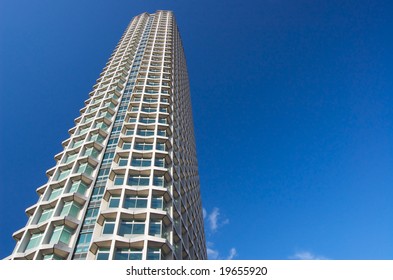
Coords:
126,185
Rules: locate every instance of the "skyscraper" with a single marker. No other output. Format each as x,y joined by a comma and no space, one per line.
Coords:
126,185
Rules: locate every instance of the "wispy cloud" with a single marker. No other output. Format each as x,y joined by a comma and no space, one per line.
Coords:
214,254
213,222
232,254
214,219
204,213
306,255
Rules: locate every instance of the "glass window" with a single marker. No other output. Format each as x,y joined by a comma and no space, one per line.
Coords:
103,174
61,234
97,193
85,238
143,146
150,99
110,105
126,146
70,157
140,162
78,187
162,120
132,120
131,227
155,228
52,257
106,115
101,125
158,181
130,132
88,119
119,179
160,146
70,208
55,193
135,202
161,132
63,174
123,161
83,131
85,168
77,143
97,138
109,226
108,157
157,202
114,201
138,180
45,215
153,254
112,143
91,152
146,120
102,254
159,162
145,132
128,254
149,109
35,240
91,216
116,130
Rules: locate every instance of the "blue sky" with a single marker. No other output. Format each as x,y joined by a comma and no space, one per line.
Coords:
292,105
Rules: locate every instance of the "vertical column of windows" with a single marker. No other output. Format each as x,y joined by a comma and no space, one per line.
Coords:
85,236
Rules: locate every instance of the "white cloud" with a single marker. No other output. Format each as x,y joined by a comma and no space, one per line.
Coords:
232,254
212,254
306,255
213,218
213,222
204,213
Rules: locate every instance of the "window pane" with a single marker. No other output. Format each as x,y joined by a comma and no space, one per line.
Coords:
157,203
161,146
66,234
155,229
119,179
35,240
114,202
78,187
141,203
123,161
138,181
71,209
102,254
128,254
126,146
55,193
140,162
46,214
139,229
153,254
109,226
55,235
63,174
158,181
71,158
